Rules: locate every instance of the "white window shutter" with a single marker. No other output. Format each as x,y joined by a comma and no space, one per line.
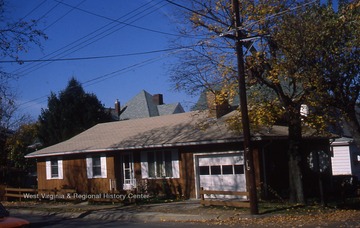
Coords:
144,165
48,169
60,169
89,170
103,166
175,164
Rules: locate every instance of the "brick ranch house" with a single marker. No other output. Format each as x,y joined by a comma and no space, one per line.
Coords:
173,154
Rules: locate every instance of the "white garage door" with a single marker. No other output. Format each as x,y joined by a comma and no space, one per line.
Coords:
224,172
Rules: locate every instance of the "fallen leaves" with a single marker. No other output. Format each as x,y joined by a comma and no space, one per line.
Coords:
309,218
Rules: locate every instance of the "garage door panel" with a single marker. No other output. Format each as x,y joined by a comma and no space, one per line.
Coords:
222,172
224,160
235,181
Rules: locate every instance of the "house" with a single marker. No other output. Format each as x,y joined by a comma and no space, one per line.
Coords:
174,155
145,105
346,157
345,153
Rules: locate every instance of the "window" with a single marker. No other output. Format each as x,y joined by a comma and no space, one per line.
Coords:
215,170
96,166
168,165
128,166
239,169
204,170
227,169
54,168
159,164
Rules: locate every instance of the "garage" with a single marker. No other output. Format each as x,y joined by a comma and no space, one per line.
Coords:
221,172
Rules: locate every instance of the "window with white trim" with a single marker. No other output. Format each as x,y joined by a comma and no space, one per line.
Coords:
160,164
54,168
96,166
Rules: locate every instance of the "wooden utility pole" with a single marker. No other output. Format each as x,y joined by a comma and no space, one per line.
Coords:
248,152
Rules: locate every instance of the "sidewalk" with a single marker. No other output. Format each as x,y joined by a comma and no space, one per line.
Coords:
189,210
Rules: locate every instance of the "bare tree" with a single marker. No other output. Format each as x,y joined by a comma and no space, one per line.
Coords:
16,37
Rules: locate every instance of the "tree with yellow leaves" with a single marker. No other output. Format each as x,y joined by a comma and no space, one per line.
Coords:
284,57
19,144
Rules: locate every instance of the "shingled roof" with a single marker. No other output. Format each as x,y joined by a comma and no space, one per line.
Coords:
154,132
142,105
159,131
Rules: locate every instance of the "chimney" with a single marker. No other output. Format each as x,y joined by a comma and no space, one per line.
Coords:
217,108
117,108
158,99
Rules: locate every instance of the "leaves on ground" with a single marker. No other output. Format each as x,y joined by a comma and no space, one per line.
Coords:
309,218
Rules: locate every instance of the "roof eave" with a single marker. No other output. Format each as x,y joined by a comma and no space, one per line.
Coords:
165,145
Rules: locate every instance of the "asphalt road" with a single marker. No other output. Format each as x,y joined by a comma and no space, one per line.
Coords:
55,221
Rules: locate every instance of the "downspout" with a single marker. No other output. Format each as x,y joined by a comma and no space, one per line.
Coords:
264,167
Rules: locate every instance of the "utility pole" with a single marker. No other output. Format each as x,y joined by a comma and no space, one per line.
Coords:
248,152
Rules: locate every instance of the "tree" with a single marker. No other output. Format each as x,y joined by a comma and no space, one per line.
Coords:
70,113
16,37
20,144
316,52
338,64
212,18
280,57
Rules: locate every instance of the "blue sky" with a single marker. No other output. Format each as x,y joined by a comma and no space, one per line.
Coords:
90,32
74,33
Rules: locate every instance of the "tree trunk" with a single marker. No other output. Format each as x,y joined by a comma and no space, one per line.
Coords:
296,190
352,123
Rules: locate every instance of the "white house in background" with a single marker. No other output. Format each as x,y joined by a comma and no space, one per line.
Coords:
346,157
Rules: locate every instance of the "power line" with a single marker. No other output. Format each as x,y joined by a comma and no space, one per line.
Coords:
107,76
33,10
61,17
110,32
77,42
280,13
49,11
128,68
194,11
91,57
116,20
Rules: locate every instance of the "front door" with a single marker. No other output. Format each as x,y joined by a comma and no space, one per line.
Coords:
128,172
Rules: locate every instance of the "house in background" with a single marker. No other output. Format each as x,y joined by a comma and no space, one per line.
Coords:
144,105
345,152
346,157
173,155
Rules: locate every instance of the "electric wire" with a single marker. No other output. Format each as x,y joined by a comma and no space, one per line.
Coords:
62,16
104,77
76,43
121,22
194,11
278,14
49,11
33,10
110,32
90,57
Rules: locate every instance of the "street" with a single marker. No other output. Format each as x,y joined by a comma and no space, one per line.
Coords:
55,221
